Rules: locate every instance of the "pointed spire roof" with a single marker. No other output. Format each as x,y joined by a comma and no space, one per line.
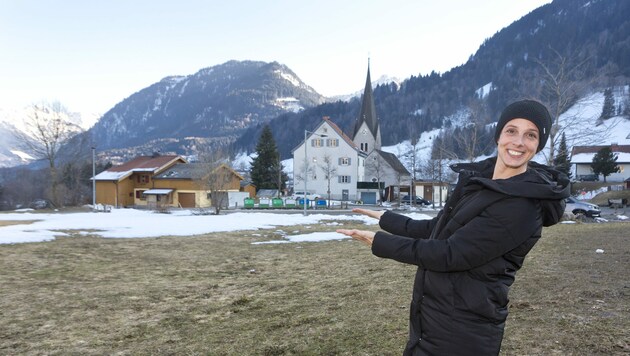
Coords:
368,109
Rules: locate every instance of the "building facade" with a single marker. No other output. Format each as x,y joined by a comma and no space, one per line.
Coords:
343,168
328,163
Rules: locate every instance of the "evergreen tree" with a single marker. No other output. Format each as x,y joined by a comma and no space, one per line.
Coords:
605,163
266,170
608,110
561,160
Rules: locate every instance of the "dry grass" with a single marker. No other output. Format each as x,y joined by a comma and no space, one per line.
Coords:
220,295
16,222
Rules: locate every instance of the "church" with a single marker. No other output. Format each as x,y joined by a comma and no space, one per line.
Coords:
337,166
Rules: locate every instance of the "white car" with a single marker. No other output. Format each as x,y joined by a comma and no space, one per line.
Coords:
309,196
579,207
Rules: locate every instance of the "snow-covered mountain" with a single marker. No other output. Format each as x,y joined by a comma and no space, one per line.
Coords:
13,152
218,102
382,80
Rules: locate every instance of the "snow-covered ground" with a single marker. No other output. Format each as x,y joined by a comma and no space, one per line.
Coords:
130,223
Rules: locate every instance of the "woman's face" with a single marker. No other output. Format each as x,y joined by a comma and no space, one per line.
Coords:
516,146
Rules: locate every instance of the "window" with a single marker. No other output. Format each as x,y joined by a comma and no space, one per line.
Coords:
317,142
140,195
344,179
332,142
143,178
345,161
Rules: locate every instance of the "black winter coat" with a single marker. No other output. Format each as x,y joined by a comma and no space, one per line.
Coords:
468,255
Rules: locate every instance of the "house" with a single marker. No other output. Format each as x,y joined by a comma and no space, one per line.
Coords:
328,163
345,168
166,181
121,186
193,185
582,157
432,190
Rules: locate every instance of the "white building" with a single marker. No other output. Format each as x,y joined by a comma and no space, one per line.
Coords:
333,163
582,157
345,168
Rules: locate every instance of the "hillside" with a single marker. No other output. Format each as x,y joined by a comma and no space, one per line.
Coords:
511,65
217,103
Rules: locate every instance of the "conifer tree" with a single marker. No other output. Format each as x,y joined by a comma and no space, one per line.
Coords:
561,160
605,162
608,110
266,170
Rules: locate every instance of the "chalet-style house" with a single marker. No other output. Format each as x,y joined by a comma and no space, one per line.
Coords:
166,181
339,167
195,185
582,157
122,186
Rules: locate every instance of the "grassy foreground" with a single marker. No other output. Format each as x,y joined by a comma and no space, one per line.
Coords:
219,294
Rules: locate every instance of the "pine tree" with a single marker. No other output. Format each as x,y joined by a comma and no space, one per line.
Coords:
605,162
266,170
608,110
561,160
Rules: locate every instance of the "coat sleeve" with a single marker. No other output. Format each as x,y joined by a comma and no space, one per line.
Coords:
496,231
397,224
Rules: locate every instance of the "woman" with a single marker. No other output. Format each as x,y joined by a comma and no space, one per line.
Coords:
468,255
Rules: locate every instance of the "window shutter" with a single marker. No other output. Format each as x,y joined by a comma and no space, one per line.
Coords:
349,161
339,161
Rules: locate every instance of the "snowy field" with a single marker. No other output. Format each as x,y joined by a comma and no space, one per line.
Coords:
130,223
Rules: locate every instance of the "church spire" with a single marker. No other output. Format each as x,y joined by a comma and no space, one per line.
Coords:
367,118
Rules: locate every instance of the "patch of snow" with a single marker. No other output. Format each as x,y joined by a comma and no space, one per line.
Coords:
131,223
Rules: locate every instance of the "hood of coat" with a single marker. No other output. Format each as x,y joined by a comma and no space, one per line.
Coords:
541,182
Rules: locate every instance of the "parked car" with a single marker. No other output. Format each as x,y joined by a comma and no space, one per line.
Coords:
310,196
588,178
579,207
417,200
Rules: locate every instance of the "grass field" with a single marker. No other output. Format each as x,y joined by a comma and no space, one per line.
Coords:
219,294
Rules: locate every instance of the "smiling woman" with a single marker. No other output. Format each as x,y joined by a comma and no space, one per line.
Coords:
467,256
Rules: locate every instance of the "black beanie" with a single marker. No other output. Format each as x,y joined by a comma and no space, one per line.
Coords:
530,110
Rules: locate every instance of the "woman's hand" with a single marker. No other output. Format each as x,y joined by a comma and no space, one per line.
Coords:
360,235
376,214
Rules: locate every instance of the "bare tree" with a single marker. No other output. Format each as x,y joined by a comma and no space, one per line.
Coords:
375,167
437,166
471,136
47,128
214,175
330,170
564,80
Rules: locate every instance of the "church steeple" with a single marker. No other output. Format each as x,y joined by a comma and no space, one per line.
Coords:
367,133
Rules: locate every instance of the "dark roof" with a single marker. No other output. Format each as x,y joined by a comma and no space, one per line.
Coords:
368,109
149,163
594,149
189,171
182,171
393,162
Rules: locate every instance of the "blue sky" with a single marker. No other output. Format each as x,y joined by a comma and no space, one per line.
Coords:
90,55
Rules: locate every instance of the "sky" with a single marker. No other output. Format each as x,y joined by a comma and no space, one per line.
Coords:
90,55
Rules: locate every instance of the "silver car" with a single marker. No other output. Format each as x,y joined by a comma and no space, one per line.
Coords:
579,207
